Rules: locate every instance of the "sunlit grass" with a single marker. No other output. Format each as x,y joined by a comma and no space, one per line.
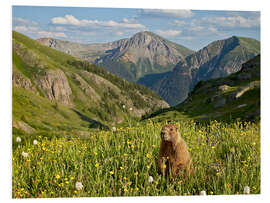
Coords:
226,158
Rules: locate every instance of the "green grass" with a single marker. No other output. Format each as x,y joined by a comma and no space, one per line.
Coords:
226,158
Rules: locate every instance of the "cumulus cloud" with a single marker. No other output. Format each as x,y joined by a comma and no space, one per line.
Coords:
184,13
71,20
33,29
168,33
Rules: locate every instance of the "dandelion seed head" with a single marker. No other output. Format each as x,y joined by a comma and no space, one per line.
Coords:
113,129
18,139
203,192
130,109
25,154
35,142
150,179
124,106
246,190
79,185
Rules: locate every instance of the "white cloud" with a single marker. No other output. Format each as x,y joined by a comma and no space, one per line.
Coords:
71,20
51,34
184,13
168,33
235,21
66,20
213,29
24,28
23,21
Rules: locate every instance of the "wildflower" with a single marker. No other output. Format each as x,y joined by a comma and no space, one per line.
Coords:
79,186
130,109
18,139
125,190
246,190
164,166
148,167
211,193
203,192
57,176
137,189
121,168
136,173
113,129
150,179
97,165
124,106
35,142
25,154
111,172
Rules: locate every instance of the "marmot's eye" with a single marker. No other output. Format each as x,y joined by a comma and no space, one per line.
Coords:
171,129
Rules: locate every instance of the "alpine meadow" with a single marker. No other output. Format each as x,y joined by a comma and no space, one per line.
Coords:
90,97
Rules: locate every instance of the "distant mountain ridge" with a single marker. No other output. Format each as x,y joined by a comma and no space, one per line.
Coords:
236,96
169,69
218,59
131,58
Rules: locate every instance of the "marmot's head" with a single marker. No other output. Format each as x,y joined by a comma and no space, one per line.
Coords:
169,133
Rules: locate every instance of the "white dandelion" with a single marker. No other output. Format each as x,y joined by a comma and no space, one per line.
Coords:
246,190
124,106
113,129
130,109
18,139
150,179
79,185
203,192
35,142
25,154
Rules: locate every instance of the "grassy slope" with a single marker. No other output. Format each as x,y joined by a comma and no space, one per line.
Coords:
226,158
109,110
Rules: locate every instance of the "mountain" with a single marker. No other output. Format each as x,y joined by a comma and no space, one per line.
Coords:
132,58
54,90
218,59
225,99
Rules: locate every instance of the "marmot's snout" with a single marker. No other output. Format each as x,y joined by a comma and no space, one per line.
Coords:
164,135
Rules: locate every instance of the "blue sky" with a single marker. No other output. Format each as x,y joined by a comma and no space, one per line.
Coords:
191,28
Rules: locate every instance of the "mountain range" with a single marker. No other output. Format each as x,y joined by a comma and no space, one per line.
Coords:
131,58
236,96
171,70
52,90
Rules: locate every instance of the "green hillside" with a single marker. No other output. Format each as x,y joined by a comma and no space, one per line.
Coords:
53,90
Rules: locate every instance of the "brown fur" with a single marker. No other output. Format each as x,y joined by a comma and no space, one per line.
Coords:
173,152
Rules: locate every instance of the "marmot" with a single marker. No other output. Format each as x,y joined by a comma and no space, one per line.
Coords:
173,154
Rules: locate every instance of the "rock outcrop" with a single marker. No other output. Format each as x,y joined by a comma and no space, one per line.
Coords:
55,86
